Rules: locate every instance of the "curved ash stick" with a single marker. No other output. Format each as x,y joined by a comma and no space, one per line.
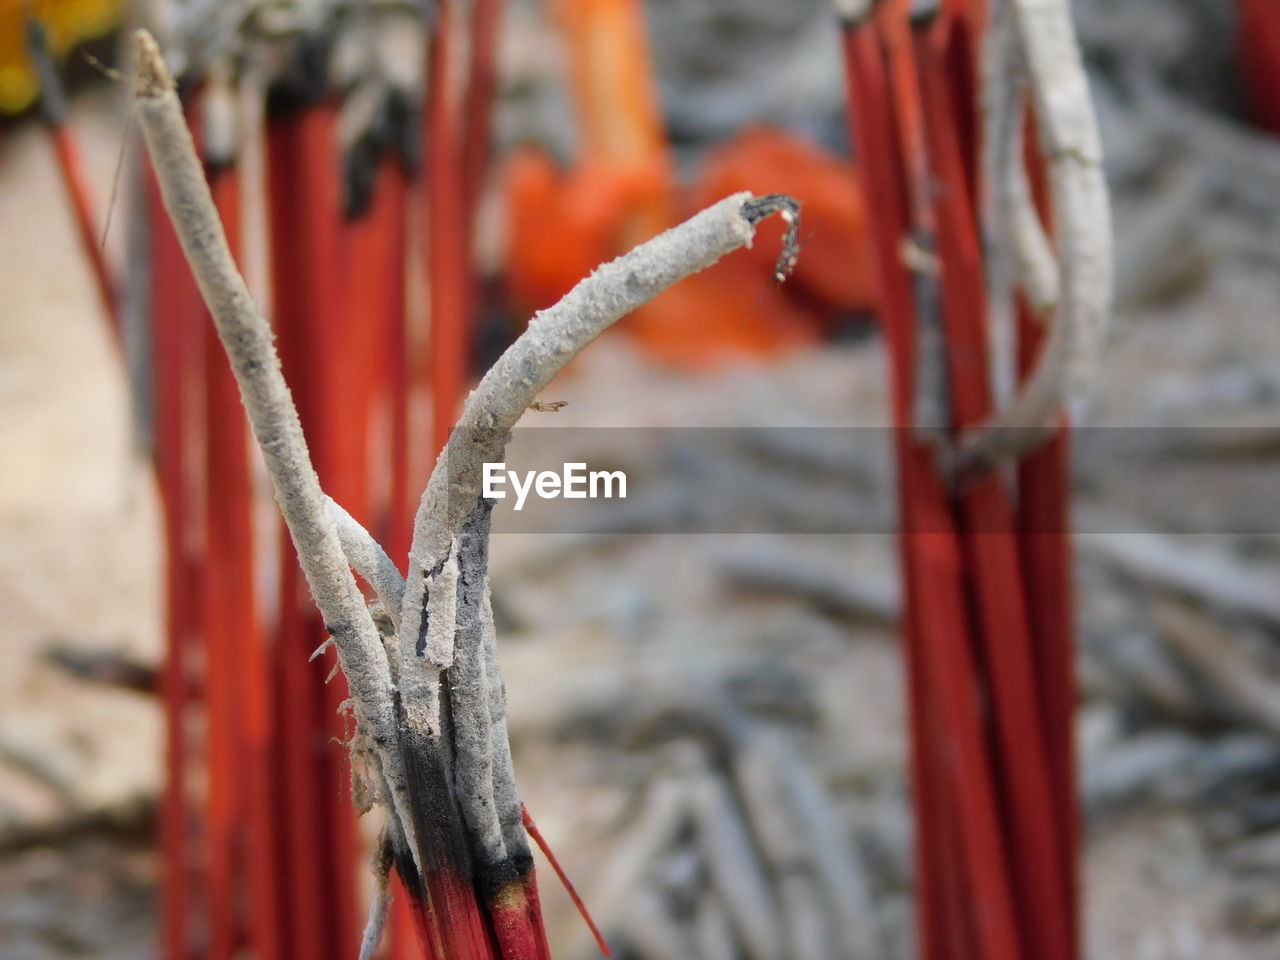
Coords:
1072,148
367,558
469,693
1080,288
1001,108
247,337
553,338
1015,229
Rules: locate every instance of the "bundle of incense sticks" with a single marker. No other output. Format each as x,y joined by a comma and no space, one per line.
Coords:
310,124
260,848
429,744
985,556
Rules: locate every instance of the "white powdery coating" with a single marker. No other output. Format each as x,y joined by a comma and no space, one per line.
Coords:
506,797
442,603
1037,266
553,338
367,558
1017,246
435,595
247,339
469,695
1000,104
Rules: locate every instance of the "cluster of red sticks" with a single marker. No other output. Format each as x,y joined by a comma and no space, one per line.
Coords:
987,570
259,848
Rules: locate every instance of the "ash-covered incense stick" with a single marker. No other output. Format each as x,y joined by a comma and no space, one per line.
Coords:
1034,41
431,712
247,338
554,337
367,558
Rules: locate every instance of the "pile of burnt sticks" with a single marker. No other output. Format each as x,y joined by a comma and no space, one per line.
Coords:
429,744
962,190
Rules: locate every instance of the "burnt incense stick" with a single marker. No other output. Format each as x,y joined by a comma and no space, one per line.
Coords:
429,708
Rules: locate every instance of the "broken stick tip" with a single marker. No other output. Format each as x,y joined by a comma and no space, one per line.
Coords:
756,209
154,78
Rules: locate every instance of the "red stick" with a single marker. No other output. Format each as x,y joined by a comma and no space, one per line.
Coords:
955,757
1044,480
477,106
870,113
1043,528
532,829
516,915
242,830
988,519
174,302
71,167
456,923
397,528
376,247
448,253
228,609
319,841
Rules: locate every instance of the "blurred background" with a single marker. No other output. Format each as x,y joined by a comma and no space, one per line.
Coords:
641,660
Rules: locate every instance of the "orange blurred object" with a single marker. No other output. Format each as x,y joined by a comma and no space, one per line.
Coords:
620,192
563,224
729,311
835,266
617,105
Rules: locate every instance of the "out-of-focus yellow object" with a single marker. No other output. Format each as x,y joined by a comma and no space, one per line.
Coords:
67,22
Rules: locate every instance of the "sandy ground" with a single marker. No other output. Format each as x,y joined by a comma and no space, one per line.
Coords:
78,519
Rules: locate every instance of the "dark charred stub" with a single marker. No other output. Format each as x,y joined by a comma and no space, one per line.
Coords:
390,130
428,576
304,82
443,898
760,208
478,881
436,818
483,773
